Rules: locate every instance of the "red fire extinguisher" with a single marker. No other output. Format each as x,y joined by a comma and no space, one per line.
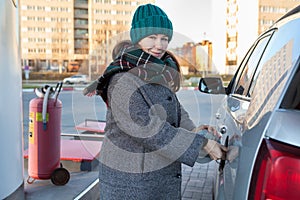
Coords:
44,137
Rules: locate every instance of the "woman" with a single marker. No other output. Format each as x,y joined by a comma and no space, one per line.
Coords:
148,132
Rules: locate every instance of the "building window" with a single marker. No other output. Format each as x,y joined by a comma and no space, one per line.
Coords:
32,39
42,50
62,9
41,29
29,7
31,29
107,12
64,19
41,8
31,18
31,51
56,50
64,30
55,30
41,40
54,19
64,51
103,1
54,9
120,2
63,40
55,40
41,19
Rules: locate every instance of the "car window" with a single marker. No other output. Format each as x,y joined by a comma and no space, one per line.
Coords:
291,99
250,66
234,79
273,71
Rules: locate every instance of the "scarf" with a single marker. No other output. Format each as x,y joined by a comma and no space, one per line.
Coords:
164,71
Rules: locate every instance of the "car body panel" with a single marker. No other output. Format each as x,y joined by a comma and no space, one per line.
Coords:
247,154
287,133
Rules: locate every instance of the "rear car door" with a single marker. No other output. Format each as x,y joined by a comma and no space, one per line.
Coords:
269,125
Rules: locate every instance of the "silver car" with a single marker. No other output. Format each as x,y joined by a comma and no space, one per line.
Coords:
260,117
80,78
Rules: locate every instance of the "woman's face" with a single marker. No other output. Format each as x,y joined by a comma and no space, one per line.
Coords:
156,45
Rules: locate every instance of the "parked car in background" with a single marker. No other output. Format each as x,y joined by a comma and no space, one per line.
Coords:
80,78
259,117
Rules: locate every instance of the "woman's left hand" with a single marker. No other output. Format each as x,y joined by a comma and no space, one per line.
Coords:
90,94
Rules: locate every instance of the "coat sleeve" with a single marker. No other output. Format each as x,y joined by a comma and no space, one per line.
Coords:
185,121
146,127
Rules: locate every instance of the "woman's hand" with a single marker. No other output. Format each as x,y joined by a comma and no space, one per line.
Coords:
90,94
214,149
90,90
210,129
233,152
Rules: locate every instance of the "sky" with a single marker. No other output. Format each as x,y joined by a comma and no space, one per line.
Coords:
200,20
191,18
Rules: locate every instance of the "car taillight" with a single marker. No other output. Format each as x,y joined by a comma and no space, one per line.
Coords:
276,172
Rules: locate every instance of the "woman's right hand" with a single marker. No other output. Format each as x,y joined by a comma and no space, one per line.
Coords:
214,149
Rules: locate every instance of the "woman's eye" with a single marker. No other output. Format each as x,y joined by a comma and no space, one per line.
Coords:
152,37
165,39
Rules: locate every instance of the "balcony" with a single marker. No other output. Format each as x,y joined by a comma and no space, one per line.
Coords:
81,51
81,36
81,16
81,46
81,5
81,26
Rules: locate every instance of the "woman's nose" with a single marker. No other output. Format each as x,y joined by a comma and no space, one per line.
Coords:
158,43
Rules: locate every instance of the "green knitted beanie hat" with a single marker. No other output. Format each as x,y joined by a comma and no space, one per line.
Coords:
147,20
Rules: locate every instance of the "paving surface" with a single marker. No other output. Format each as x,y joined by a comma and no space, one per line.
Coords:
197,184
198,181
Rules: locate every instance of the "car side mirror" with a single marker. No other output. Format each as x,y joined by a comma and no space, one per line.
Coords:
211,85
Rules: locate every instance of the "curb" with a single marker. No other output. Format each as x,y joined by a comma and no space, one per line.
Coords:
63,89
80,88
188,88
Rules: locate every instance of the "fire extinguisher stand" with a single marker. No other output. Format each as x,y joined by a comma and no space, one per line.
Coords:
44,141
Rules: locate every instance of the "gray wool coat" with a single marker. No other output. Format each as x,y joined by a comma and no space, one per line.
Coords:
147,138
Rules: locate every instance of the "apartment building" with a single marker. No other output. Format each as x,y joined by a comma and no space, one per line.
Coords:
270,11
56,32
245,20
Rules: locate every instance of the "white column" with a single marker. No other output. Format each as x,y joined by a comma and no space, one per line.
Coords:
11,142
